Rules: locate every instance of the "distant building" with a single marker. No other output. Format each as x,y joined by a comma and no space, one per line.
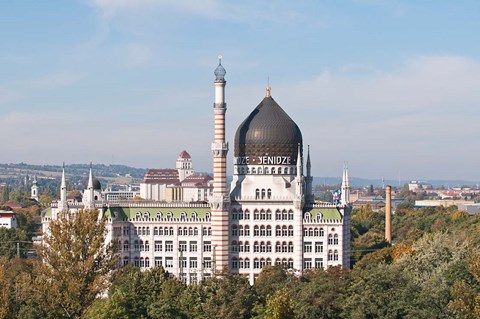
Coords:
7,219
34,190
471,209
441,202
418,185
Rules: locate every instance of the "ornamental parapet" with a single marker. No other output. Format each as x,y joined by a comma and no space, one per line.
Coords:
140,204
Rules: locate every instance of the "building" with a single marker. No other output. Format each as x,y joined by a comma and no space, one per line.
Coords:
266,216
176,185
7,219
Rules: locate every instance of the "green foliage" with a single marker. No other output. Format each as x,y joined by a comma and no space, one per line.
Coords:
8,242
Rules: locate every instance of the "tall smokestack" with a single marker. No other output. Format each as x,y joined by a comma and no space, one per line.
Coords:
388,214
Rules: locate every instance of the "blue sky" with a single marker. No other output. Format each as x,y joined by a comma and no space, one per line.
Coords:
392,87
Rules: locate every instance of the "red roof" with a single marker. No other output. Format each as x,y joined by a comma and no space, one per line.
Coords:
13,205
7,214
161,176
184,154
197,180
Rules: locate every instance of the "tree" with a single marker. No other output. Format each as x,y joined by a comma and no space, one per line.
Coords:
279,306
9,237
76,264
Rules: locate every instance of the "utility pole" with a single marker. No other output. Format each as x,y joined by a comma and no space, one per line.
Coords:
18,249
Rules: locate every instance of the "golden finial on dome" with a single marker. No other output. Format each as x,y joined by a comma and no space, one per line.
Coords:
269,89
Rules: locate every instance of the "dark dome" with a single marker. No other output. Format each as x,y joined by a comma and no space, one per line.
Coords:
96,184
268,131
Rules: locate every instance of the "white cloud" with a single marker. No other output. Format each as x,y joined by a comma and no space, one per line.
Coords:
138,54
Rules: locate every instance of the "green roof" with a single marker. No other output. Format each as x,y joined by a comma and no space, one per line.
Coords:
330,213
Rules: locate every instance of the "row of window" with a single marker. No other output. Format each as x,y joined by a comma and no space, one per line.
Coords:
169,216
260,170
262,231
158,261
262,214
164,231
140,245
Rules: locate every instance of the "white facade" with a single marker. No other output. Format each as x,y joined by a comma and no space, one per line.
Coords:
7,219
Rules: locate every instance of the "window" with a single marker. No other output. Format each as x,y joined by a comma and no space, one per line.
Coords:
207,262
330,255
137,245
290,231
247,230
193,246
335,239
171,231
234,215
158,261
269,193
330,239
169,246
335,255
315,232
160,231
310,232
234,263
240,263
180,231
136,262
240,230
269,214
290,215
125,260
148,231
190,231
256,247
209,231
233,247
319,247
256,215
263,248
278,215
290,247
318,263
256,231
247,214
126,246
169,262
263,193
247,263
307,247
247,247
147,262
278,231
284,231
193,278
240,215
193,262
263,215
263,231
147,246
262,263
207,246
290,263
256,263
307,263
284,215
234,230
278,247
182,246
195,231
269,230
257,193
284,247
158,245
269,247
322,232
135,231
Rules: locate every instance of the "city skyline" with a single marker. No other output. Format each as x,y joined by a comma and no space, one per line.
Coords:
129,82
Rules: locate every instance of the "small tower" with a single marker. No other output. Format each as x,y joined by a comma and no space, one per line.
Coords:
34,189
300,199
345,199
62,203
184,165
89,193
308,180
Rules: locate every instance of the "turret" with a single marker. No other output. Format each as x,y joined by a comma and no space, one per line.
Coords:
345,186
62,204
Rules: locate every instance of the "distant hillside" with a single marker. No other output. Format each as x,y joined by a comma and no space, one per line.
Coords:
362,182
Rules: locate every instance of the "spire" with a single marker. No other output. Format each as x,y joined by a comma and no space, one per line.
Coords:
90,178
269,91
299,162
309,164
345,185
64,183
220,71
308,180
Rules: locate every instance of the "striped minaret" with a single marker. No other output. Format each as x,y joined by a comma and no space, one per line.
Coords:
220,200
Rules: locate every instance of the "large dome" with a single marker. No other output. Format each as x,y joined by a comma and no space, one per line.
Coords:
268,131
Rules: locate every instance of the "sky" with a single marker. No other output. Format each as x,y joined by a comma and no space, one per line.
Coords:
392,87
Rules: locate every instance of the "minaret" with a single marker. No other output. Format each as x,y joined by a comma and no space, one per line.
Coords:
299,172
309,180
345,186
220,200
62,204
89,192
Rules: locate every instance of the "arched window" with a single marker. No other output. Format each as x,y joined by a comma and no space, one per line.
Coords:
234,230
257,193
319,217
247,263
278,215
190,231
256,263
142,245
136,262
146,215
315,232
330,239
305,232
171,231
240,214
278,231
269,261
180,231
284,215
160,231
256,214
247,247
240,246
256,247
263,215
290,263
269,214
278,247
290,214
126,245
262,262
142,262
263,247
284,247
310,231
193,215
269,193
269,230
240,230
335,255
183,216
259,170
169,216
147,262
195,231
256,231
209,231
136,245
330,255
155,231
247,230
234,263
207,216
138,215
335,239
284,231
278,261
290,247
290,231
273,170
263,232
284,262
263,193
147,246
159,215
322,233
269,247
247,214
233,247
